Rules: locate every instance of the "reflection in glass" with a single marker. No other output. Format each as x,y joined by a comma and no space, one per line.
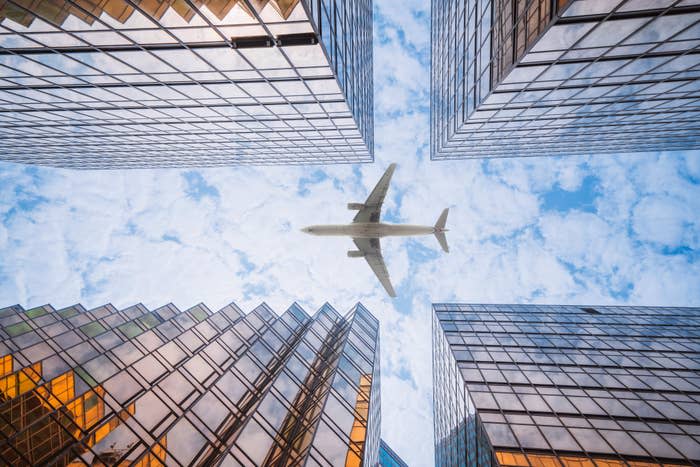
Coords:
172,83
533,77
182,403
605,409
24,400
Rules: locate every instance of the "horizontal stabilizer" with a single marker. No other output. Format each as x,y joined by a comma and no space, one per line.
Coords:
442,240
442,220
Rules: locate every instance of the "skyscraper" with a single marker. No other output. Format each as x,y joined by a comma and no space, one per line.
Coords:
549,385
388,458
166,387
547,77
174,83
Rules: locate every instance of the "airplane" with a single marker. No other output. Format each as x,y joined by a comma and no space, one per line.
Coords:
366,230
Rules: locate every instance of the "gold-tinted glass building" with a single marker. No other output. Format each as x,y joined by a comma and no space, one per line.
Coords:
555,77
175,83
564,386
195,387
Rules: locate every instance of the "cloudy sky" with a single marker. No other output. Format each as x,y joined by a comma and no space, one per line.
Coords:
599,229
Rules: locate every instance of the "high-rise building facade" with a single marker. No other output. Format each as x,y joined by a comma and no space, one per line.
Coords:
171,387
556,77
175,83
549,385
388,458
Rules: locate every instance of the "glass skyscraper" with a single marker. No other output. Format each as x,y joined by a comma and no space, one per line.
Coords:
549,385
549,77
174,83
194,387
388,458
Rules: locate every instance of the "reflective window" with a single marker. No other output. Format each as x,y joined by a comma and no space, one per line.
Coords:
171,405
175,77
589,385
533,77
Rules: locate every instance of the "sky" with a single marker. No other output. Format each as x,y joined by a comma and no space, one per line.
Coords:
595,229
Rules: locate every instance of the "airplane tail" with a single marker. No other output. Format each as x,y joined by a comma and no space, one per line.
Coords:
440,230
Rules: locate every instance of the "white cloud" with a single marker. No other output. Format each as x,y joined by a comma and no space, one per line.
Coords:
3,237
662,219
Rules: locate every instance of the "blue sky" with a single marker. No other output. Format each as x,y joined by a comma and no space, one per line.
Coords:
596,229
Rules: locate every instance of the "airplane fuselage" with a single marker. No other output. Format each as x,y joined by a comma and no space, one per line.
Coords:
369,230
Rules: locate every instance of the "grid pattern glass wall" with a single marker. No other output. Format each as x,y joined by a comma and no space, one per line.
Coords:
194,387
549,77
142,83
548,385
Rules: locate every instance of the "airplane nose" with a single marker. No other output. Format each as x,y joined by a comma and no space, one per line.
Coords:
306,230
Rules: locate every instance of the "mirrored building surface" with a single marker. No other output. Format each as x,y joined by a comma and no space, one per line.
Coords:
168,387
172,83
388,458
549,385
556,77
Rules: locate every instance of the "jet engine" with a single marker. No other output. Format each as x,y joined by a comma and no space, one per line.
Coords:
355,254
355,206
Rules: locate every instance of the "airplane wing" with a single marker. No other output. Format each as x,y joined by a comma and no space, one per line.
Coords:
373,206
373,254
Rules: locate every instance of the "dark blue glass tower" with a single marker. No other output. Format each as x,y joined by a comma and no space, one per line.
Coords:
560,386
388,458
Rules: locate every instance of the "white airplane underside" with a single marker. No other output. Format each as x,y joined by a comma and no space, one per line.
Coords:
366,230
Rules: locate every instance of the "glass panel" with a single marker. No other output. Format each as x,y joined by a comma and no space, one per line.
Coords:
17,329
92,329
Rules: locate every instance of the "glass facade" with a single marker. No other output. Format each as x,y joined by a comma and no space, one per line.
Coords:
549,385
194,387
93,84
388,458
553,77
